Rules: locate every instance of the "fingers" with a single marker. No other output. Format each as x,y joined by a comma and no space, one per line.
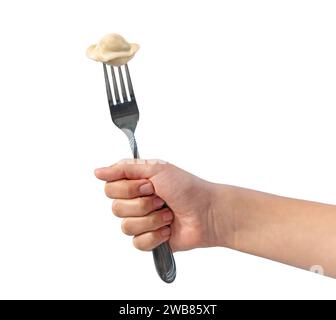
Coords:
130,169
149,230
137,207
128,189
153,221
128,182
150,240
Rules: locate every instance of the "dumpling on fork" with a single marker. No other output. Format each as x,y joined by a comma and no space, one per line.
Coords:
112,49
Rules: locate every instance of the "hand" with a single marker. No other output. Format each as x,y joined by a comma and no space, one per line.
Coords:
203,214
140,189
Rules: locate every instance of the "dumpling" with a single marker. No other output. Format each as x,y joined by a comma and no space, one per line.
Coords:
112,49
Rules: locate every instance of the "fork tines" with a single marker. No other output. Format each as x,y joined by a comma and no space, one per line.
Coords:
118,86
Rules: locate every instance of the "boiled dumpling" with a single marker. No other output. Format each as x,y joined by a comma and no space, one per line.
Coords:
112,49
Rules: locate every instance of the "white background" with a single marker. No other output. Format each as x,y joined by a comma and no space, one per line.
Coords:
238,92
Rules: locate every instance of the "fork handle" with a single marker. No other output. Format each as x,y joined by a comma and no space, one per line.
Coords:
164,262
163,256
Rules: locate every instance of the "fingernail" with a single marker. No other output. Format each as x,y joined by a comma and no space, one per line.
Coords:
146,188
167,216
158,202
165,232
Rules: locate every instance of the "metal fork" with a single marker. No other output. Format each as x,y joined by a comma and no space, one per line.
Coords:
125,115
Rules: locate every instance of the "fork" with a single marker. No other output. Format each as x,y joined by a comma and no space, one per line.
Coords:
125,115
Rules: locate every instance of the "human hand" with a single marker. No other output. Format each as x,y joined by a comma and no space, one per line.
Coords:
203,214
140,189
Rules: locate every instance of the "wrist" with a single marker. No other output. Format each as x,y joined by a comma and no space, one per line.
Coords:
223,216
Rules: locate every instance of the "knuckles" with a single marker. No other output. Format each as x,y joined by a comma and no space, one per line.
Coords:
122,188
140,245
107,190
116,208
126,228
145,242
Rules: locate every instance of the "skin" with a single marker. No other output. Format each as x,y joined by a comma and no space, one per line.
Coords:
204,214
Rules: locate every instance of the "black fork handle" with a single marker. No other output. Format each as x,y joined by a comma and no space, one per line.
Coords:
165,262
163,256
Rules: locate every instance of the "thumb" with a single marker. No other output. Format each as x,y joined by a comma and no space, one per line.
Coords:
130,169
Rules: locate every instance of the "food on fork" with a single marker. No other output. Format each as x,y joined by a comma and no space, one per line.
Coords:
112,49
